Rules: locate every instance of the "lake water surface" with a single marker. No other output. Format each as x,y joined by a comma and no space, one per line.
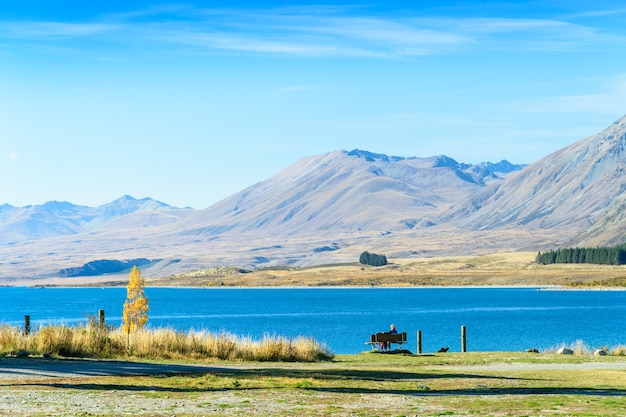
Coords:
496,319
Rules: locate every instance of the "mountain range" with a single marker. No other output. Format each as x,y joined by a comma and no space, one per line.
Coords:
54,218
328,208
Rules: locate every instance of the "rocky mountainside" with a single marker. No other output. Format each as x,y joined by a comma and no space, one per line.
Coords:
579,188
348,191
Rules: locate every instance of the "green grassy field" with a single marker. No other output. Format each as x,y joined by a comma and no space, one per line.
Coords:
367,384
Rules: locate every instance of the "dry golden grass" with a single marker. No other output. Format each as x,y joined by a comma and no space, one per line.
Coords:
94,341
502,269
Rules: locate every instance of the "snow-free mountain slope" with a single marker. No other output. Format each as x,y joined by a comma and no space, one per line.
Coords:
347,191
572,188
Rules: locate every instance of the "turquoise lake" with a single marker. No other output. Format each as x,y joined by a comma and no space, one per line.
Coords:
496,319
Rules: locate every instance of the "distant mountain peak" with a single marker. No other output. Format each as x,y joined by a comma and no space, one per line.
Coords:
60,218
439,161
133,203
503,166
371,156
126,197
58,205
130,198
442,161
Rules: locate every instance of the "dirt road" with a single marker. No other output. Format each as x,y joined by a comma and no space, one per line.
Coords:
31,368
34,368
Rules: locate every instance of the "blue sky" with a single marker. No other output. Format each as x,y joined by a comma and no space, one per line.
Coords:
189,102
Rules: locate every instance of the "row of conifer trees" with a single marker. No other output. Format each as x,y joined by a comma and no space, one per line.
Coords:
615,255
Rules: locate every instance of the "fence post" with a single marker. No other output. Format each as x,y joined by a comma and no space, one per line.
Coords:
463,339
26,325
419,342
101,318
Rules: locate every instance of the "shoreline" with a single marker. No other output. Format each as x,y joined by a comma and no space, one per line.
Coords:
118,284
508,270
328,287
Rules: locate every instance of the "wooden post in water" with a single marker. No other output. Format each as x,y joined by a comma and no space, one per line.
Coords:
101,318
463,339
26,325
419,342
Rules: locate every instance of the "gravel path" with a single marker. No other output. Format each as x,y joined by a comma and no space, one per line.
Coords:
54,387
33,368
49,387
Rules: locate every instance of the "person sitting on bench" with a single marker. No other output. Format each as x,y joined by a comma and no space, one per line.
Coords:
387,345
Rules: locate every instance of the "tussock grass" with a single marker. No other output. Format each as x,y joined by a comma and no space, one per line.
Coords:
93,341
614,282
618,351
580,348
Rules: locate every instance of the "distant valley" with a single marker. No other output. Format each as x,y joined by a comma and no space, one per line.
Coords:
328,208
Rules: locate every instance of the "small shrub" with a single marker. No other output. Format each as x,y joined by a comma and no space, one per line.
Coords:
580,348
618,351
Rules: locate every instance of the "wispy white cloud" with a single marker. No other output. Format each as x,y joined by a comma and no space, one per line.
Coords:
326,31
43,30
533,34
13,156
246,43
314,34
609,12
609,96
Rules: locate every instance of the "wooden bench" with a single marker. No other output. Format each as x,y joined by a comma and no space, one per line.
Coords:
378,339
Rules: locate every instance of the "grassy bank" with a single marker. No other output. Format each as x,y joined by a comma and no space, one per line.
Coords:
93,341
503,269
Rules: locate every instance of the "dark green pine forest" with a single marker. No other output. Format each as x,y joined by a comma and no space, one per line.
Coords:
615,255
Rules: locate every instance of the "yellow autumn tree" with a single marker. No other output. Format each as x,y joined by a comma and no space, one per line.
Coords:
135,313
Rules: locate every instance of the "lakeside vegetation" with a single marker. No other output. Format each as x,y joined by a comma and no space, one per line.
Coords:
95,341
615,255
372,259
501,269
616,282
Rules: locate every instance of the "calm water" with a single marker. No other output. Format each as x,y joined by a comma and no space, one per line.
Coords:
496,319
